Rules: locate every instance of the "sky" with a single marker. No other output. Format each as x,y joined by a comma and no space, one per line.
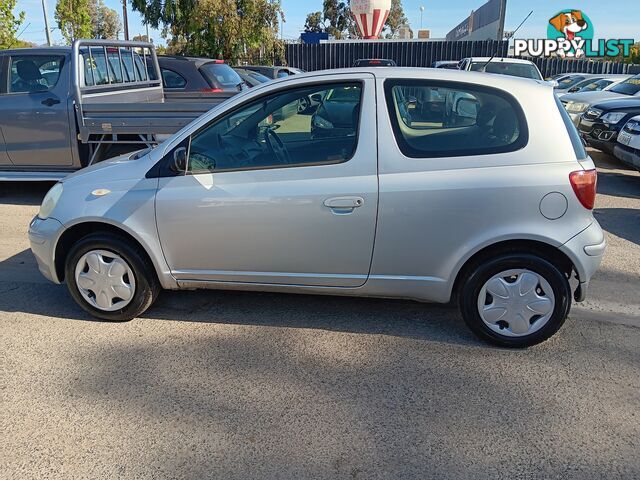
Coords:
611,19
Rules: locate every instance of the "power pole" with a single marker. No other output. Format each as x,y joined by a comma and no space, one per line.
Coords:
125,19
46,22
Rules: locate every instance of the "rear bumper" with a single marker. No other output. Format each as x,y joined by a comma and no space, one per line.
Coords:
586,251
627,155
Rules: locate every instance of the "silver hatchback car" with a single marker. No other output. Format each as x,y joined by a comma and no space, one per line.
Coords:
433,185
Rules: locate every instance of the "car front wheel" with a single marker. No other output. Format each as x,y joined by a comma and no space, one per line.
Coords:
110,278
515,300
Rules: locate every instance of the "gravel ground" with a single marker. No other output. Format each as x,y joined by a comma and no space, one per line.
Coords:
246,385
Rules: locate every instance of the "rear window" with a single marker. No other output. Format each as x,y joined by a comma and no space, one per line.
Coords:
449,119
120,65
505,68
630,86
576,141
220,75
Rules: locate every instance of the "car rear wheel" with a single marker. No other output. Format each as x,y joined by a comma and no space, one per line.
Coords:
110,278
515,300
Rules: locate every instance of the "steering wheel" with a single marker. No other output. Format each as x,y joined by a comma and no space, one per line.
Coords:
276,146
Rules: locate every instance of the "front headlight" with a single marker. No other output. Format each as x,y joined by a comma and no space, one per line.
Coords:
577,107
50,201
613,117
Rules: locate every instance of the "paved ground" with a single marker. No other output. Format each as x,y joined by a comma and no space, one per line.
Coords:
242,385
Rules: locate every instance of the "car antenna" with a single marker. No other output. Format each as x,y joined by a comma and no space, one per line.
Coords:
484,67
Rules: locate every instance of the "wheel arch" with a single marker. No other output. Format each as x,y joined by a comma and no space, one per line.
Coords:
81,229
545,250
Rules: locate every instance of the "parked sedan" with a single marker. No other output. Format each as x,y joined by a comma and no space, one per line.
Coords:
495,214
251,78
627,149
602,122
273,72
578,103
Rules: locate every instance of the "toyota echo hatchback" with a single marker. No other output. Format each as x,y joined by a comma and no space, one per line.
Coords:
425,184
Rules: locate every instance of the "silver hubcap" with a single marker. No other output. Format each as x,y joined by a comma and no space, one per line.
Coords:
303,104
105,280
515,303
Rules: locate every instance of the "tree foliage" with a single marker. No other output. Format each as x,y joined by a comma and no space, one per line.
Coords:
395,20
74,19
335,19
9,23
229,29
105,22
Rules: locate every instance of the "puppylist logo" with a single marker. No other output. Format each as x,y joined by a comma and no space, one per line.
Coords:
570,35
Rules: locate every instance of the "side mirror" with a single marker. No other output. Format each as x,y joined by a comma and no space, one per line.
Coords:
316,98
179,160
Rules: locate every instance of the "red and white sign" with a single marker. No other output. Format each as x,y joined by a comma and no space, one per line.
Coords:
370,16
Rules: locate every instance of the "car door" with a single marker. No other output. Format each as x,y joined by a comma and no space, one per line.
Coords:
34,119
268,198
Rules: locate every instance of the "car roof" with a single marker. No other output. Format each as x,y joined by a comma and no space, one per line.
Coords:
504,82
501,59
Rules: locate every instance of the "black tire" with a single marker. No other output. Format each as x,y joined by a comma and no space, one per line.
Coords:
147,286
479,274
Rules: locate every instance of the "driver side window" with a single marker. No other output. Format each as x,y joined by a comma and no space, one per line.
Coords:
296,127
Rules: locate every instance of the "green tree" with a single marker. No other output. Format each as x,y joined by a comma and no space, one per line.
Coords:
395,20
9,23
314,23
335,19
74,19
105,22
229,29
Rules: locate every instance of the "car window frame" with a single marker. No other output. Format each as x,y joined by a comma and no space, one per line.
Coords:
176,73
6,67
410,152
161,169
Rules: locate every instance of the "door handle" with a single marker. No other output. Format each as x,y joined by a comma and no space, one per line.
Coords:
343,205
50,102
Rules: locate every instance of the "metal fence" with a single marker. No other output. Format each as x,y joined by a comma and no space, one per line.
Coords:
424,53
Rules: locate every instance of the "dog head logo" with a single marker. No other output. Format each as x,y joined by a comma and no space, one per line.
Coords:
572,26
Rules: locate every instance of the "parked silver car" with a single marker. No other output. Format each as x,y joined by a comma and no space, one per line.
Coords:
441,188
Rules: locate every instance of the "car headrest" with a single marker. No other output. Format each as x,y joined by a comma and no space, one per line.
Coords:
504,126
28,71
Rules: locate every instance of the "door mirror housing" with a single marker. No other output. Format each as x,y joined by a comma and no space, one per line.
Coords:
316,98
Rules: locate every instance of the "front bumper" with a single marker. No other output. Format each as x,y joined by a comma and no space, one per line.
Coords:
586,250
597,134
627,155
43,235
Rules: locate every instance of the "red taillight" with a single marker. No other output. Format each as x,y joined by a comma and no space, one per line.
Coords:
211,90
584,185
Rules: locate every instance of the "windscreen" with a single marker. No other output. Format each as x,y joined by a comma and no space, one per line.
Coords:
630,86
505,68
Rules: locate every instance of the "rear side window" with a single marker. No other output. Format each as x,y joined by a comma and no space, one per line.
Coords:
447,119
34,73
578,146
220,75
172,79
